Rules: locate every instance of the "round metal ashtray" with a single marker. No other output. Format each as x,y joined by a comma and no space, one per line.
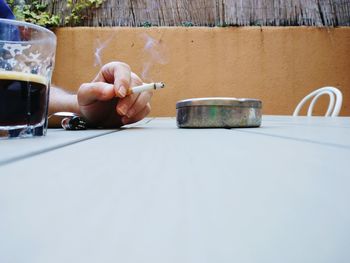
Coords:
218,113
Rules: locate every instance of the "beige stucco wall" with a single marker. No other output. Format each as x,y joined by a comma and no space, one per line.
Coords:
277,65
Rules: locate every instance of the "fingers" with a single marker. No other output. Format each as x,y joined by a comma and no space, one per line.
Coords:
122,79
117,73
114,80
135,80
97,91
139,116
134,103
139,104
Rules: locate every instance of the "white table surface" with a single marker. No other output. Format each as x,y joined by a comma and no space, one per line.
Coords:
156,193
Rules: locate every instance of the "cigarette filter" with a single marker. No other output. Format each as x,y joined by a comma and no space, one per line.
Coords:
144,87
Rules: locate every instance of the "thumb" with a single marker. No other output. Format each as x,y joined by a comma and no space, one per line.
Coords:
89,93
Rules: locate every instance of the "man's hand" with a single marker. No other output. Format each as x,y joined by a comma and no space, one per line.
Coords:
103,102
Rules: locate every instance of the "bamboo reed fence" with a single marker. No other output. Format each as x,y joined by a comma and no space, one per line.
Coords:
214,12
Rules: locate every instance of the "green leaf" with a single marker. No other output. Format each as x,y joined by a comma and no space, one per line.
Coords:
38,13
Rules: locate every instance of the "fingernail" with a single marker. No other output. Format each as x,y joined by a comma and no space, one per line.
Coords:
122,91
130,113
123,110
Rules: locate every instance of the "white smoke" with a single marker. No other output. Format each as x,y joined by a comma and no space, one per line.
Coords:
100,46
155,53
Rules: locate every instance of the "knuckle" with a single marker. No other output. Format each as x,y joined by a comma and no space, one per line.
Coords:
136,79
84,86
83,89
107,66
115,65
122,65
124,82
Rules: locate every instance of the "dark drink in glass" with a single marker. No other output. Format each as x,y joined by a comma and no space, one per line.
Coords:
22,99
27,56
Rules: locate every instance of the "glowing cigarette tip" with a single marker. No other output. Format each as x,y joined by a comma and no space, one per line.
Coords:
144,87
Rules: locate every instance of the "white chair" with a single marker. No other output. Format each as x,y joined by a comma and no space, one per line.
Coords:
335,101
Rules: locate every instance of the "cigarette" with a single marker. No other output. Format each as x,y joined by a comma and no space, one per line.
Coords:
144,87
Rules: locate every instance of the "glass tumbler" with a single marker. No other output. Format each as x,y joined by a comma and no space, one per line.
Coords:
27,57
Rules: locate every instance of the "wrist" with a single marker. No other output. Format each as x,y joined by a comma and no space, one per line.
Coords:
62,101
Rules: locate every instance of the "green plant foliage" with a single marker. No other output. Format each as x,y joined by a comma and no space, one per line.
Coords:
37,13
187,24
146,24
34,12
223,25
78,10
